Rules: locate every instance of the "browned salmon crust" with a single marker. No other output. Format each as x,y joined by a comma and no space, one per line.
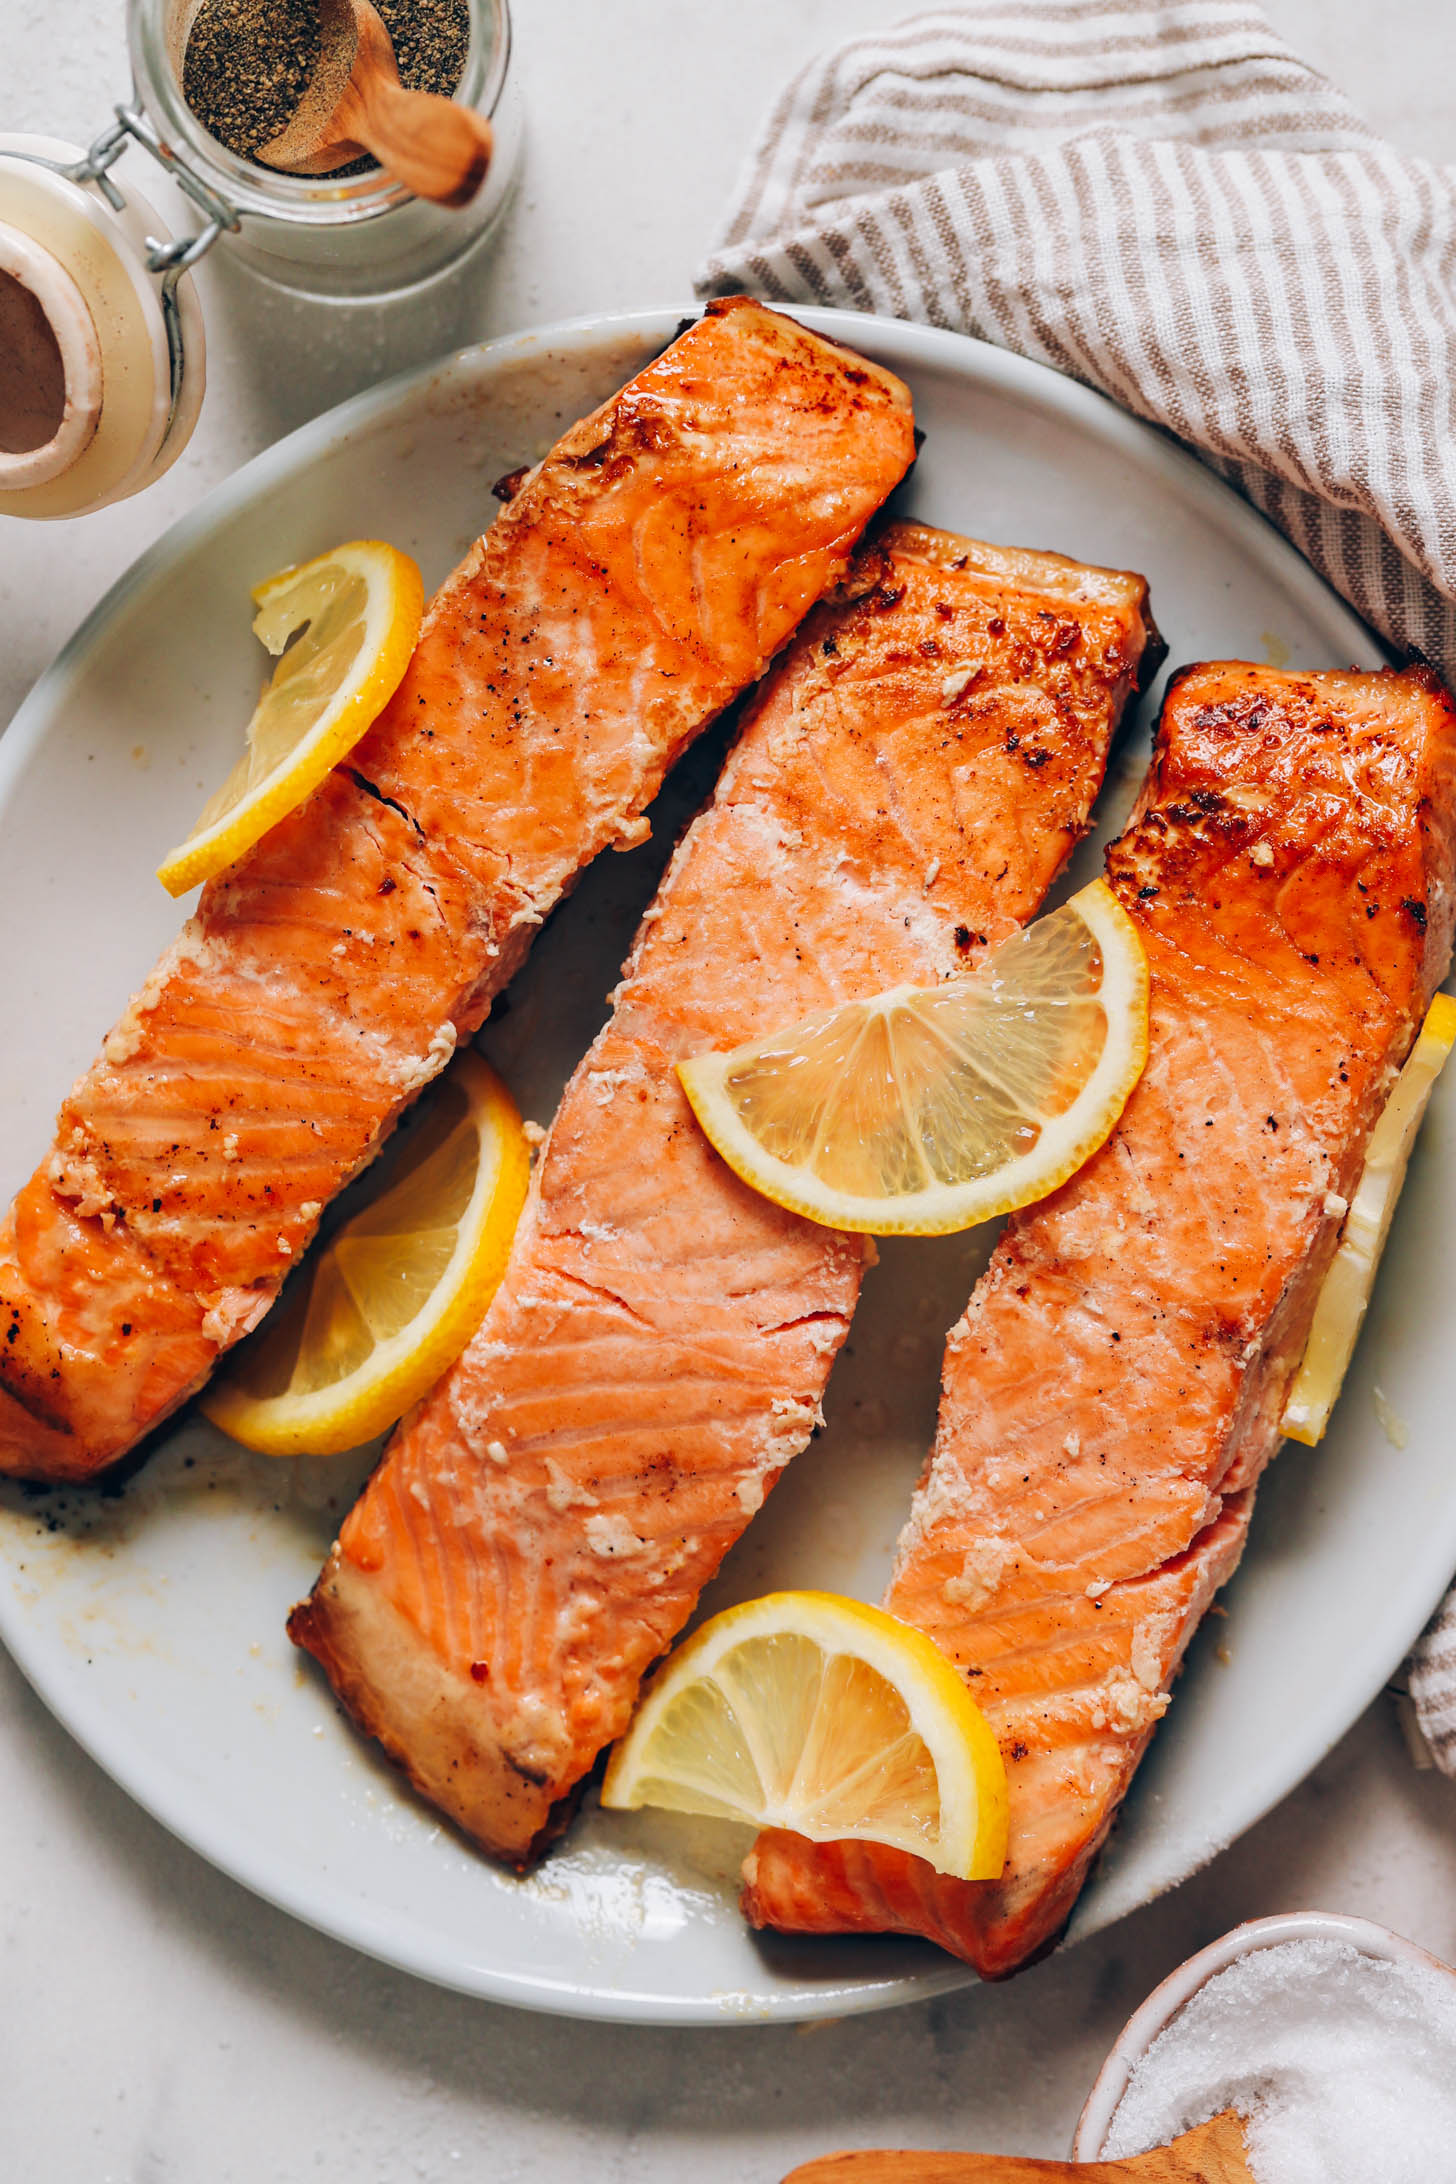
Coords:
1116,1384
644,575
906,787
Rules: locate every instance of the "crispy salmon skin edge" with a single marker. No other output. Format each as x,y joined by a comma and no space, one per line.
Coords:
697,515
1323,805
795,800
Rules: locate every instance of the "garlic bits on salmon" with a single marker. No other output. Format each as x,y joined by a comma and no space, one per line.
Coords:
926,1109
1115,1386
645,574
542,1525
342,628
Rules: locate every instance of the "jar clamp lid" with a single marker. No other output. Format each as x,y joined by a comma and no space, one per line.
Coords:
67,445
106,354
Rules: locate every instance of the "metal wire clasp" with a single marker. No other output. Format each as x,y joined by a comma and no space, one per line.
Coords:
168,259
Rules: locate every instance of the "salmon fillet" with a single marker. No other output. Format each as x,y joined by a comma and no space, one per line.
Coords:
643,576
905,788
1116,1383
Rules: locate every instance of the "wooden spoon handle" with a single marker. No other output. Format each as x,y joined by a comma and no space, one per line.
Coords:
435,147
1213,2154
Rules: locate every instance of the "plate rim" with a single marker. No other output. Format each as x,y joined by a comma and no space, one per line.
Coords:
904,345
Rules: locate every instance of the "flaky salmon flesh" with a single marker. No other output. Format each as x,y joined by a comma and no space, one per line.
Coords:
644,575
1115,1386
904,790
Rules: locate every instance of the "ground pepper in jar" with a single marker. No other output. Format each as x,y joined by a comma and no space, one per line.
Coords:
247,63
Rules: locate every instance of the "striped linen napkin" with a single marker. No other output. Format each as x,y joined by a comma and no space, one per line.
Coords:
1158,198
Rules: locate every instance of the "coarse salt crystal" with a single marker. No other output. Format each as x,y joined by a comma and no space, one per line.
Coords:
1342,2064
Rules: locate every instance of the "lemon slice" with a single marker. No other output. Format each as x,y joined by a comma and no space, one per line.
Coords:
354,617
1339,1309
927,1109
808,1711
373,1317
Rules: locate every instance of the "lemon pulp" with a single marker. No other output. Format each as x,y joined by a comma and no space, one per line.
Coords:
353,618
809,1711
922,1110
377,1311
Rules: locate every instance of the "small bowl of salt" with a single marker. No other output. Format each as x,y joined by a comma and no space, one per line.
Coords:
1334,2039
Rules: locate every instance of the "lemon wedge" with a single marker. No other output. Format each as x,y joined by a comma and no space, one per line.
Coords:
354,617
808,1711
927,1109
1339,1311
375,1314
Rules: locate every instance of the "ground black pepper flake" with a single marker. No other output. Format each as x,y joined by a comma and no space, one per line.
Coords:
430,38
246,67
248,62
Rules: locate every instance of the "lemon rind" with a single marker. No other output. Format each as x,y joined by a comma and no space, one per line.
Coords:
968,1762
1067,1142
331,1420
1344,1296
391,633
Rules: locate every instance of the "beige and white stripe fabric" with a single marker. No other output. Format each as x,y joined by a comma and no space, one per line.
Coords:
1163,201
1159,198
1431,1690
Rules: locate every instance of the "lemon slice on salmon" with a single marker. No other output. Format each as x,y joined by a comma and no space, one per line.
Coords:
927,1109
376,1313
1339,1311
354,617
809,1711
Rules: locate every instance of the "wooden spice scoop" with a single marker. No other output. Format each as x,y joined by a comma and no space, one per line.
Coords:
356,103
1213,2154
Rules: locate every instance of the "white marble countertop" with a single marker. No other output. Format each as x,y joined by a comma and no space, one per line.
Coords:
158,2023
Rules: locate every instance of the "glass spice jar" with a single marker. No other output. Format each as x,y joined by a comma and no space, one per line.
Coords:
346,238
101,338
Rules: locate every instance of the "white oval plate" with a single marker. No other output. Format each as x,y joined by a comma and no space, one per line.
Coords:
151,1618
